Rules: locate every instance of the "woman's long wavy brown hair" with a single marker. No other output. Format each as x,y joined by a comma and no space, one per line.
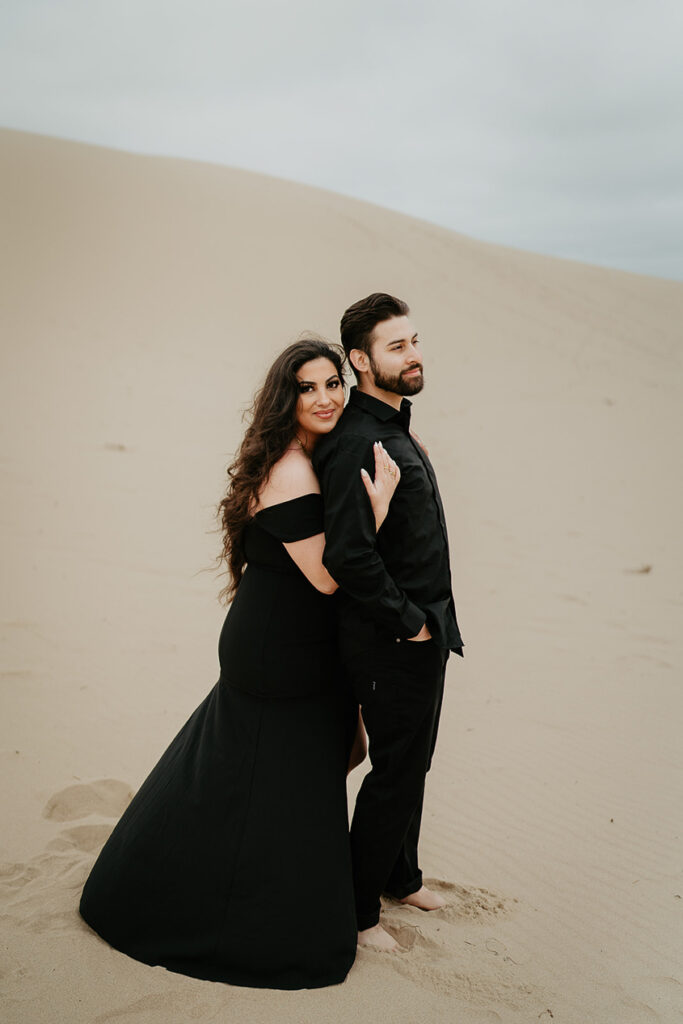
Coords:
269,434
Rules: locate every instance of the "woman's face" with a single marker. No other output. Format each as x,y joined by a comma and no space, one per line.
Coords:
321,397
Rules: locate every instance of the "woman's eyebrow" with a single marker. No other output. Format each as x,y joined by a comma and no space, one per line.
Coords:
335,376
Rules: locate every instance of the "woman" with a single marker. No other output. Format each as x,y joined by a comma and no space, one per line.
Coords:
232,861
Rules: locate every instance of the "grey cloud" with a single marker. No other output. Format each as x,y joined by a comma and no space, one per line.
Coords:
551,127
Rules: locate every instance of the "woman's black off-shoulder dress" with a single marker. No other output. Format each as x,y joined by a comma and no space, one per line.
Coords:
232,861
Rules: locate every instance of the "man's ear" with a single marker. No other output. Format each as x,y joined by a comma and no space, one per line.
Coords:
359,360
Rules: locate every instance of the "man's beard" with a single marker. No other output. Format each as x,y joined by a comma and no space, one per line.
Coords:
398,385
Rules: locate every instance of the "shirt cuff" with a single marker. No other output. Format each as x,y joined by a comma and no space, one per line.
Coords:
412,621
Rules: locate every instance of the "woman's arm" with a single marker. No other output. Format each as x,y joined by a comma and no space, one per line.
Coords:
294,476
308,555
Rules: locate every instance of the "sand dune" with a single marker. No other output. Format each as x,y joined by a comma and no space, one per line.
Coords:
142,300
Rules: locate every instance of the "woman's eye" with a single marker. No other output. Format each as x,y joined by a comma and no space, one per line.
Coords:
303,388
334,384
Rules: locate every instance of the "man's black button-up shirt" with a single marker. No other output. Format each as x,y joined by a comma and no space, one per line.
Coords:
393,581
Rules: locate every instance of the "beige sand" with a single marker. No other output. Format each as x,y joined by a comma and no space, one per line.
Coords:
142,300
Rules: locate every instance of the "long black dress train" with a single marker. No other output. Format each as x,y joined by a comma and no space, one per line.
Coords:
232,861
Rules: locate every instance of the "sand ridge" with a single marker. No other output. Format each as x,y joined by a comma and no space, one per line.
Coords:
142,300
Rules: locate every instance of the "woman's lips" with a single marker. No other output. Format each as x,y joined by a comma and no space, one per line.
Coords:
326,415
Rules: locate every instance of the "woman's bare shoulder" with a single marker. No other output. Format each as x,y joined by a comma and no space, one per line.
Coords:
291,477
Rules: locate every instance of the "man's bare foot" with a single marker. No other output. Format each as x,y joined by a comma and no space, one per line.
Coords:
424,899
378,938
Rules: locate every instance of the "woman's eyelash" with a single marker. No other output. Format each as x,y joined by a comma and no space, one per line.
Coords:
309,387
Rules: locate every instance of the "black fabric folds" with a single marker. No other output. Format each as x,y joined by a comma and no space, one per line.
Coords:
203,874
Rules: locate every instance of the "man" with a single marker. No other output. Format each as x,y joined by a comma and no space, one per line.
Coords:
397,616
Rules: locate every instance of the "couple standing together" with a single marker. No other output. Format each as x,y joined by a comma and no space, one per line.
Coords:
233,861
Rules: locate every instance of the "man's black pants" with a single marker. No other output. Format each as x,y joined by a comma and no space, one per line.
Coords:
400,689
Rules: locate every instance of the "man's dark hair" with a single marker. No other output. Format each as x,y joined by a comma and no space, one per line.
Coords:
360,320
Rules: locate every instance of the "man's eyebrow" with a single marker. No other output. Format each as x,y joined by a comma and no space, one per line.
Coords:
396,341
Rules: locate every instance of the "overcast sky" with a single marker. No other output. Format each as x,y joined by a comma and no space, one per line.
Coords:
551,125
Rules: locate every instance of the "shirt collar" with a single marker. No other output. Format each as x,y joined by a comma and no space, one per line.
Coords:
380,409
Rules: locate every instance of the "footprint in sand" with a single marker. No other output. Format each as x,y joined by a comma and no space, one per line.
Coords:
86,838
16,876
462,904
42,895
467,904
462,969
107,797
479,974
410,937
